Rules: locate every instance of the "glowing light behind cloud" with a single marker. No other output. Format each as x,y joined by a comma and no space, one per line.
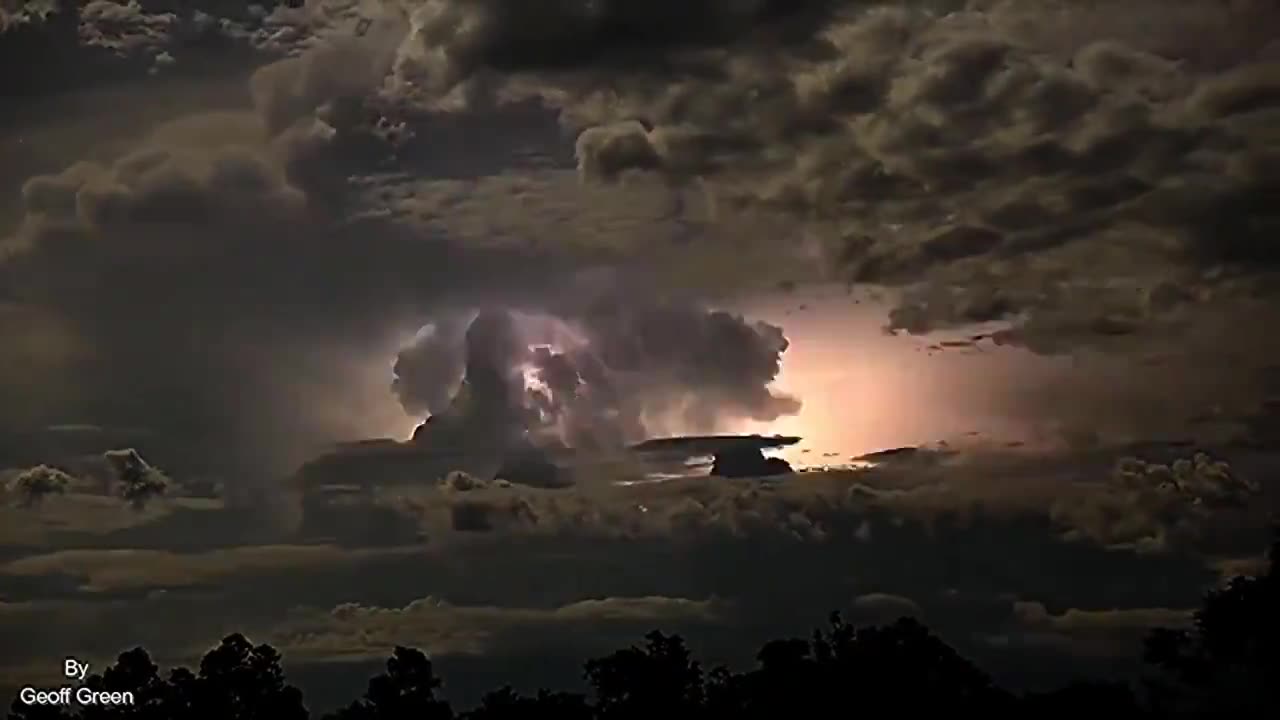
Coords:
863,390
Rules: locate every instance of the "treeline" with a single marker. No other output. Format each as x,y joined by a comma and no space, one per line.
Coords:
1227,664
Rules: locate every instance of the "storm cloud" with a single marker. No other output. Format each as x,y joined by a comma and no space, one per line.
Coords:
595,373
228,216
231,235
932,146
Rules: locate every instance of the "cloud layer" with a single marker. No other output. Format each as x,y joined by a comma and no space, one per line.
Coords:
958,145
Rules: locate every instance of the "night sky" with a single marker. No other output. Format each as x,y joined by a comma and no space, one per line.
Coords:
1036,240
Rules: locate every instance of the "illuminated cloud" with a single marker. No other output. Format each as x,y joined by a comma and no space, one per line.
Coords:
31,486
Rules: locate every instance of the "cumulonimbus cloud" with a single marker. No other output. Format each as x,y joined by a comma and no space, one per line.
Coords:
596,373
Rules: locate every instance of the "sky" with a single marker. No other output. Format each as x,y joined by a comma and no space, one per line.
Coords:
1035,240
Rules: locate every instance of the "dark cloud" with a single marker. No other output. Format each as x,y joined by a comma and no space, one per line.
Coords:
458,481
1241,91
503,562
336,75
603,152
1087,633
453,42
238,228
45,35
63,45
954,143
1150,506
459,630
916,125
907,457
136,230
480,516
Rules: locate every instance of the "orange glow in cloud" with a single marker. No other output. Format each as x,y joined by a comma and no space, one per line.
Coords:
864,390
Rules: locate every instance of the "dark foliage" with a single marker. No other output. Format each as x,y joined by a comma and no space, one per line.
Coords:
1228,662
1226,665
235,680
1077,700
406,690
658,680
507,704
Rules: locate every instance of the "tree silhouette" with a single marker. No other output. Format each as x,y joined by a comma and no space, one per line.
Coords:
239,680
1228,662
1079,699
134,672
658,679
406,690
786,681
902,667
19,711
507,704
898,667
182,693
